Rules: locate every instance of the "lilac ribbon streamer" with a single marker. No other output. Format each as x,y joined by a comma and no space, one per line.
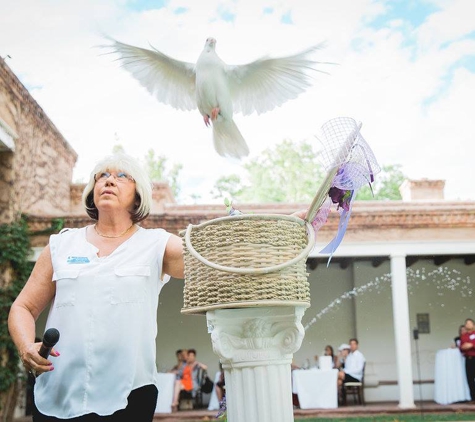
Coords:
342,226
322,216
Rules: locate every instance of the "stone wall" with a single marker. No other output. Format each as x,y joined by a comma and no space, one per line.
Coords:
161,196
6,185
371,221
35,175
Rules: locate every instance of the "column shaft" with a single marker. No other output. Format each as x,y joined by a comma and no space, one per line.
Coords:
402,331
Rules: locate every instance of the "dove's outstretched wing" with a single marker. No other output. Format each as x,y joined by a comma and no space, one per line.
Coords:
169,80
267,83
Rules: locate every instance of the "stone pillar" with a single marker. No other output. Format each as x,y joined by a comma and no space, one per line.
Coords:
402,331
256,346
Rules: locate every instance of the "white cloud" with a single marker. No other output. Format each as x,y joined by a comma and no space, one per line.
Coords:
386,82
453,21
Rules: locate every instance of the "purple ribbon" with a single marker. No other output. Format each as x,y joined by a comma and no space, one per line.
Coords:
342,226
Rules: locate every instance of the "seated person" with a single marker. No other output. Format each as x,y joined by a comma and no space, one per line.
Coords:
180,361
329,352
187,377
220,385
462,330
343,352
354,365
293,365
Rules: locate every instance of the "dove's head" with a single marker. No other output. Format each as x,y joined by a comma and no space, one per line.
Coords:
210,42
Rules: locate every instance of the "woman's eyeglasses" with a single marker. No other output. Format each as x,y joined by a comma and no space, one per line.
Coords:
120,176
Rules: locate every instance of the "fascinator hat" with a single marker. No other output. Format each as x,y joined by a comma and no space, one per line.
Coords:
350,164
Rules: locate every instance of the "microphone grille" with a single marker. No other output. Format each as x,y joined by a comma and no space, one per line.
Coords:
50,337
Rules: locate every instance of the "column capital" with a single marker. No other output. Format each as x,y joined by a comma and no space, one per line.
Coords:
398,254
250,337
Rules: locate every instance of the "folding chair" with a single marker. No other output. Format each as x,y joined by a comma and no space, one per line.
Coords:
355,389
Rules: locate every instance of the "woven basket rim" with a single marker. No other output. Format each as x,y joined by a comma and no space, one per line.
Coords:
254,271
249,217
200,310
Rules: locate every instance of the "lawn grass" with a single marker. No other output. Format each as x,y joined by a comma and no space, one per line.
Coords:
413,417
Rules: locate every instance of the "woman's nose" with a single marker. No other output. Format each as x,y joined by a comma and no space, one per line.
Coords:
110,180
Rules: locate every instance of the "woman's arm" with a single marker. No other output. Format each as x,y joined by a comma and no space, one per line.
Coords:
173,263
336,361
35,296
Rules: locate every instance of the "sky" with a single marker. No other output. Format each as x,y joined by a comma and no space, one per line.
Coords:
404,68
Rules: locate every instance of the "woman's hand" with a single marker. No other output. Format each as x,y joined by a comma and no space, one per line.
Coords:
300,214
466,346
33,362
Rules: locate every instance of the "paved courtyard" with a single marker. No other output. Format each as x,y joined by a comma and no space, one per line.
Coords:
342,412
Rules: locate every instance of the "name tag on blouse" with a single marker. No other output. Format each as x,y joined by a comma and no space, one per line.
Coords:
77,260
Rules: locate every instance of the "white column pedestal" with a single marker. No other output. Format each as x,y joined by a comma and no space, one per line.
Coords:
256,346
402,331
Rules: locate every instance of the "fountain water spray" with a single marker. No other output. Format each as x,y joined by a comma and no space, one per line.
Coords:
443,278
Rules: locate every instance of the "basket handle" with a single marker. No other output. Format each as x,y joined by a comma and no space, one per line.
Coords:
321,195
322,192
303,254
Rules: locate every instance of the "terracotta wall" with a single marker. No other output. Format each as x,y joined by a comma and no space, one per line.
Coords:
35,175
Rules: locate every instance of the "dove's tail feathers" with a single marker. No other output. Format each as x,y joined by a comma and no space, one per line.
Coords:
228,141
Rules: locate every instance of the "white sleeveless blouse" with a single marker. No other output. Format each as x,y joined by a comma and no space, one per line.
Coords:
105,310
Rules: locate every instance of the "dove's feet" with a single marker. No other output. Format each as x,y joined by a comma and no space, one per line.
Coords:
214,113
214,116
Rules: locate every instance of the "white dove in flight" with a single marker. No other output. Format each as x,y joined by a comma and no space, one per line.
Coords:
218,89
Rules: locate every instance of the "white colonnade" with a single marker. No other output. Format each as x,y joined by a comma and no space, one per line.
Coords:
397,252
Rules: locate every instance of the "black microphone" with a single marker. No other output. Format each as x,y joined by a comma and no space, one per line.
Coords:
50,338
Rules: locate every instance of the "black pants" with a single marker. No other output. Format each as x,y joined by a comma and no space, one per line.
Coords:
349,378
470,371
140,408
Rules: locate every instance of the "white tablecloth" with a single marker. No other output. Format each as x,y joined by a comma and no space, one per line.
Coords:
450,381
213,400
166,386
316,389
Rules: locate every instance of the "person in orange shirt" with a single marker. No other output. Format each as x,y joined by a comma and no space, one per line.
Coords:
187,378
180,360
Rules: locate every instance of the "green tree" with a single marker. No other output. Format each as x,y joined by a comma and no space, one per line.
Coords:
286,173
118,148
291,172
385,186
228,186
156,166
15,269
157,169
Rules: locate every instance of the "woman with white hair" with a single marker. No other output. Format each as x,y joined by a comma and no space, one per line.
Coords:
103,282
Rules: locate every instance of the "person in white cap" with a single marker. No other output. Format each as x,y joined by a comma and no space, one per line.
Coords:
354,365
343,352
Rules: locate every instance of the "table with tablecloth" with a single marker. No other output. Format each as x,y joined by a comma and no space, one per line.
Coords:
450,381
166,386
316,388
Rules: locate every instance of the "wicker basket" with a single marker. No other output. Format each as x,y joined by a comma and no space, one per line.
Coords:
258,260
249,260
246,260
